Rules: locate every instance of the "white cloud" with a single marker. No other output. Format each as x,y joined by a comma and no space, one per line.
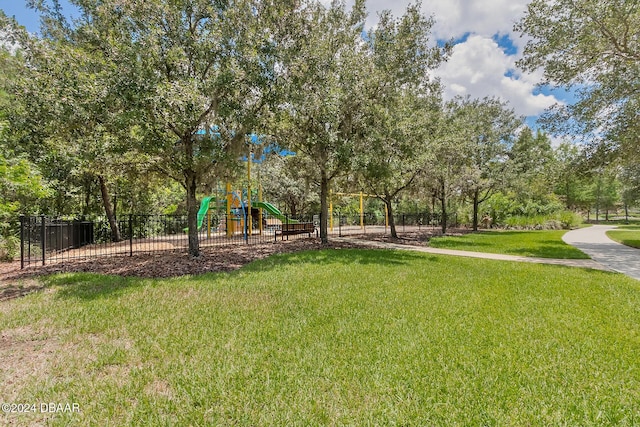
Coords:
479,67
484,17
455,18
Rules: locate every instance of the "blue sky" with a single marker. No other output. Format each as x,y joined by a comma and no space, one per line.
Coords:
483,59
24,15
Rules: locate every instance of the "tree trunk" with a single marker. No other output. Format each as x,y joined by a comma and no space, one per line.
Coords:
476,205
192,213
115,201
392,222
108,210
87,196
443,206
324,206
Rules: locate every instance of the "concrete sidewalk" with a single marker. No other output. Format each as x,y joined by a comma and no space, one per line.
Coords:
584,263
594,242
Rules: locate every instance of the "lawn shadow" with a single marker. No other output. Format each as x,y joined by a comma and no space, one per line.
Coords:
557,250
349,256
455,244
90,286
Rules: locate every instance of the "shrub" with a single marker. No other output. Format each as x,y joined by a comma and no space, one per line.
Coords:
570,219
9,246
557,221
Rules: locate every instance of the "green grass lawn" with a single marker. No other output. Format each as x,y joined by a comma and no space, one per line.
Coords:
542,244
336,337
627,235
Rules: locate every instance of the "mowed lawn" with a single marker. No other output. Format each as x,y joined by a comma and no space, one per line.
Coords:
538,243
627,235
335,337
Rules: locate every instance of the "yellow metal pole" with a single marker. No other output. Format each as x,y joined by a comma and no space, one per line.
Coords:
249,220
229,219
361,210
330,211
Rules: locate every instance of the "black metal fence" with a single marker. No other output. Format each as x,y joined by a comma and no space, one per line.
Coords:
353,224
46,239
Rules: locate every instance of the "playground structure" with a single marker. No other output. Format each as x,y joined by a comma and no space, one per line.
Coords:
241,209
240,213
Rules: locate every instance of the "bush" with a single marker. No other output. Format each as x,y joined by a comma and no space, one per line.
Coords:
558,221
570,219
9,246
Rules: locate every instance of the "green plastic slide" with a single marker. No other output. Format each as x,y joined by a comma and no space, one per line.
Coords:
275,212
204,208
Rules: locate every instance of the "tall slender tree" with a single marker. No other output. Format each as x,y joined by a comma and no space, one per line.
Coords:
404,102
488,127
325,114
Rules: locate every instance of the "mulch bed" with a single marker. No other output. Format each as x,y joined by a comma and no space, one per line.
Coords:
15,282
413,238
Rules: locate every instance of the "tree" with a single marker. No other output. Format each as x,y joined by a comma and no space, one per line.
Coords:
533,170
447,161
403,103
397,150
324,116
593,48
285,181
188,80
570,185
630,180
486,129
605,191
64,113
21,184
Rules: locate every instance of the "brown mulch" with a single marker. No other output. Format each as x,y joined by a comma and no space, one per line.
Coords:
15,282
413,238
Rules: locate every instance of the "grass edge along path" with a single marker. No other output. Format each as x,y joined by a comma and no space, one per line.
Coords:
627,235
331,337
538,243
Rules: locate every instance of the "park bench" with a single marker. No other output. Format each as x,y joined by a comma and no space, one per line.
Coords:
296,228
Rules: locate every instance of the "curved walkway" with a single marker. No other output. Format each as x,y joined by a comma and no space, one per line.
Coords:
594,242
584,263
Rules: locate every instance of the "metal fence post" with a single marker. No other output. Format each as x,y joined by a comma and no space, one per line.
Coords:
130,235
43,237
339,224
286,218
246,225
364,227
21,242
